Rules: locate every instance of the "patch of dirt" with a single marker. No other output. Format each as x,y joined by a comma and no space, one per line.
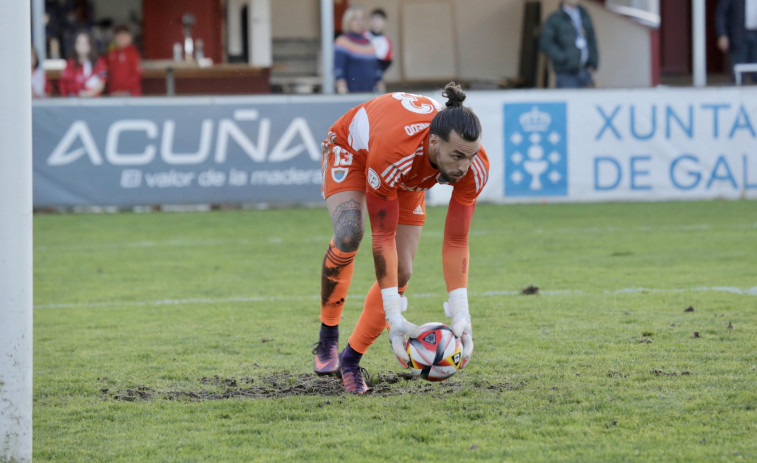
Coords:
529,290
657,372
286,384
501,386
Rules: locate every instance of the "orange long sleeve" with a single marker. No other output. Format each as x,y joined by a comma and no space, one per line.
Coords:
455,254
384,215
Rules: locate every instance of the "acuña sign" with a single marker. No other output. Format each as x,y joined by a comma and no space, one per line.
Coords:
179,152
158,139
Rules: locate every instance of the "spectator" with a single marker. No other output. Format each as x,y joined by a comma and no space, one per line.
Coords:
736,26
124,70
40,85
568,39
381,42
85,73
356,68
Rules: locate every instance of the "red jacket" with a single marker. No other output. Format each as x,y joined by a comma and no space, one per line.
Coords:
124,71
74,78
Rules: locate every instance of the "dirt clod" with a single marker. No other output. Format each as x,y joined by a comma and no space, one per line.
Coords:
530,289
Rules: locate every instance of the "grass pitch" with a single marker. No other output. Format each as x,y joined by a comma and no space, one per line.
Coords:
187,337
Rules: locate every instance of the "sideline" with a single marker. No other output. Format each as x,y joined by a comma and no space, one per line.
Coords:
565,292
426,233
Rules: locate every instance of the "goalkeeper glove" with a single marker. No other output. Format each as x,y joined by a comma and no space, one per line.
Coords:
399,328
457,310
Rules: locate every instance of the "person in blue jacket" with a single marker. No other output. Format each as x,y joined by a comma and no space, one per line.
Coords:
356,67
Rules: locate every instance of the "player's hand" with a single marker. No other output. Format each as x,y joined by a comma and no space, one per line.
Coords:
457,310
399,328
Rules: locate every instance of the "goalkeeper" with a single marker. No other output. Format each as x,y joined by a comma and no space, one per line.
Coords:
382,156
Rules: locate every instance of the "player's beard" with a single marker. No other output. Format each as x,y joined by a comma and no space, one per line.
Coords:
448,177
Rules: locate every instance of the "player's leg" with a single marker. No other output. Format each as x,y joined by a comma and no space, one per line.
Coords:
347,212
343,188
371,322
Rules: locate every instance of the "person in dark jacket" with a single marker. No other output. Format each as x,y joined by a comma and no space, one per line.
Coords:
736,27
568,39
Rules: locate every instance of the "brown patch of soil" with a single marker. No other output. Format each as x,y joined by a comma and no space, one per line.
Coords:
657,372
285,385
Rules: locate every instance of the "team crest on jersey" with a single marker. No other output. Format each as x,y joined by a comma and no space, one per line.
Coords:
339,173
373,179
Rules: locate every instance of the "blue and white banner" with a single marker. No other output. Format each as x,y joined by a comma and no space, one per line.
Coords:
618,145
544,145
181,151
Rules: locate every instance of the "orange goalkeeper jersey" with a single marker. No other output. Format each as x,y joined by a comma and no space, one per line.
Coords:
390,133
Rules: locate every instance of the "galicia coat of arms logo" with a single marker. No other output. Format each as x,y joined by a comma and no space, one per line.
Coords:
536,153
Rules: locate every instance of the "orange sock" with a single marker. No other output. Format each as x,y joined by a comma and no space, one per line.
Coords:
371,322
336,276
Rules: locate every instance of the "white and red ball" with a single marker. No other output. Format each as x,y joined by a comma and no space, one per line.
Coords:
436,353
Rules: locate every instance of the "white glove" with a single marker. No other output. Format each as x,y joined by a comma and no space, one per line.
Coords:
457,310
399,328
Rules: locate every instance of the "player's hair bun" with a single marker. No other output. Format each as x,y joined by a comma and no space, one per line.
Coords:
454,94
456,117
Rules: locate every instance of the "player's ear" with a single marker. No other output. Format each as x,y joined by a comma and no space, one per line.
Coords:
433,140
433,146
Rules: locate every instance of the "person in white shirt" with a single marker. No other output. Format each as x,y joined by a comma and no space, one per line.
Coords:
382,43
736,27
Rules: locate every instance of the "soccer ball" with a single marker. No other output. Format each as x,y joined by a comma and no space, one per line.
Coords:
436,353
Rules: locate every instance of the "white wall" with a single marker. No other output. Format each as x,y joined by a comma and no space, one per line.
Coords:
486,37
626,50
296,19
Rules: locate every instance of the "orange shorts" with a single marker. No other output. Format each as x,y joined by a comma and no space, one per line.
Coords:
344,170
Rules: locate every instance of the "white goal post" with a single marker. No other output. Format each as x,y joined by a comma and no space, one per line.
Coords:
15,233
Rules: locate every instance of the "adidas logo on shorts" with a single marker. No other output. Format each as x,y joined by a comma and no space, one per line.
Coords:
418,210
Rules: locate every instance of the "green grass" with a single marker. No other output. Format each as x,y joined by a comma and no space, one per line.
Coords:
139,316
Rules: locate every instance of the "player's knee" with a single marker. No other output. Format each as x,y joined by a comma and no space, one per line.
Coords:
348,229
403,275
348,240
